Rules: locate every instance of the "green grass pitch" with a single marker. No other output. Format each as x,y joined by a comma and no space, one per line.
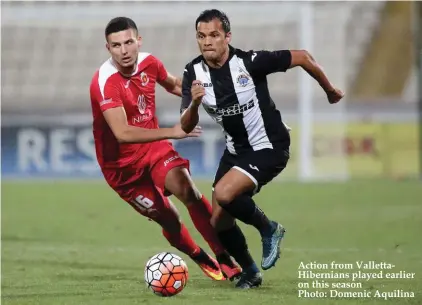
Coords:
78,243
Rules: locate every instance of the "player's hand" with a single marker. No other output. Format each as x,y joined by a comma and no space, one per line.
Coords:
178,132
334,95
198,92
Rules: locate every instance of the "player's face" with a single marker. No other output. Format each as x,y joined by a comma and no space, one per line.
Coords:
124,47
212,40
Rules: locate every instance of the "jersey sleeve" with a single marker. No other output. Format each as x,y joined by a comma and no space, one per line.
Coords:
266,62
161,70
186,87
106,96
112,97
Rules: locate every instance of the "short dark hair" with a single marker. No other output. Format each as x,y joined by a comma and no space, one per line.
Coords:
120,24
208,15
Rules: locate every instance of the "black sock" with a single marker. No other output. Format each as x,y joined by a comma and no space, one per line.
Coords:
244,208
234,242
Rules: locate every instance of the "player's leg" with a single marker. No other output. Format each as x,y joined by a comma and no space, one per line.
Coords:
134,185
234,193
231,236
173,177
179,183
169,172
149,201
233,239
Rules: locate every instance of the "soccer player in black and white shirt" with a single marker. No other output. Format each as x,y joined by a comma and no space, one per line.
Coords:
231,84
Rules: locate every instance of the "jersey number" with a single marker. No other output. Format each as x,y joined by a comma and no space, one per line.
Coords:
143,203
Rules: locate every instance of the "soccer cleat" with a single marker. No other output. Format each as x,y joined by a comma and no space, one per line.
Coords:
229,267
209,266
249,280
271,247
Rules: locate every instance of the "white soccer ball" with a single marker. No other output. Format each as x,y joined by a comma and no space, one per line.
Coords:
166,274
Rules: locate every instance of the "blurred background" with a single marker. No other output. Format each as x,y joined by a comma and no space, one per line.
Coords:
67,240
370,49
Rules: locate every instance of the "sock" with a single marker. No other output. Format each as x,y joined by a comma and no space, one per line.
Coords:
235,243
244,208
203,258
225,258
200,214
182,241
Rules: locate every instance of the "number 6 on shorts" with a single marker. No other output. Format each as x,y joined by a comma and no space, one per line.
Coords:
143,203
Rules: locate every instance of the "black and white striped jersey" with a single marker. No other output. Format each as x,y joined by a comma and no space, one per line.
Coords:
237,97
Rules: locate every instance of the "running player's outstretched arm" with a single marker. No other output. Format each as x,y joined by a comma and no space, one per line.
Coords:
267,62
192,93
305,60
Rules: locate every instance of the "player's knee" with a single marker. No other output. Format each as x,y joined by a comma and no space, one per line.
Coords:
223,195
179,183
167,217
187,193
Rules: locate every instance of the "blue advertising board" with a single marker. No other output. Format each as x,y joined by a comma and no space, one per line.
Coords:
66,151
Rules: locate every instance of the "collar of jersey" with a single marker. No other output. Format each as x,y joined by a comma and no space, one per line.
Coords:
126,75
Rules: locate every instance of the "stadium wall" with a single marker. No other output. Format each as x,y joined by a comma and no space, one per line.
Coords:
46,120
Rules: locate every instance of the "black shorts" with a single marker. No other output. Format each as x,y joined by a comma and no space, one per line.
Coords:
260,166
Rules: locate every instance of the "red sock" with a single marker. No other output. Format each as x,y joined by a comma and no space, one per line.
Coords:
182,241
200,213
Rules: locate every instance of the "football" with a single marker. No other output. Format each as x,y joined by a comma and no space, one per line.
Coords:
166,274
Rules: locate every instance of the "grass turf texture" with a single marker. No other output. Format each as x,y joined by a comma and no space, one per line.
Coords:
78,243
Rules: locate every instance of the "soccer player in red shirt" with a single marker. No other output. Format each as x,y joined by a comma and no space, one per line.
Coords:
134,154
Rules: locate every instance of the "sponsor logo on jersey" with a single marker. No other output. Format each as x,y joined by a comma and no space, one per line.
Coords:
242,79
144,79
170,159
143,110
229,111
253,56
142,104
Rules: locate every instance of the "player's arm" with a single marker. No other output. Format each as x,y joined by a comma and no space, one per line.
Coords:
125,133
111,105
304,59
192,93
267,62
172,84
